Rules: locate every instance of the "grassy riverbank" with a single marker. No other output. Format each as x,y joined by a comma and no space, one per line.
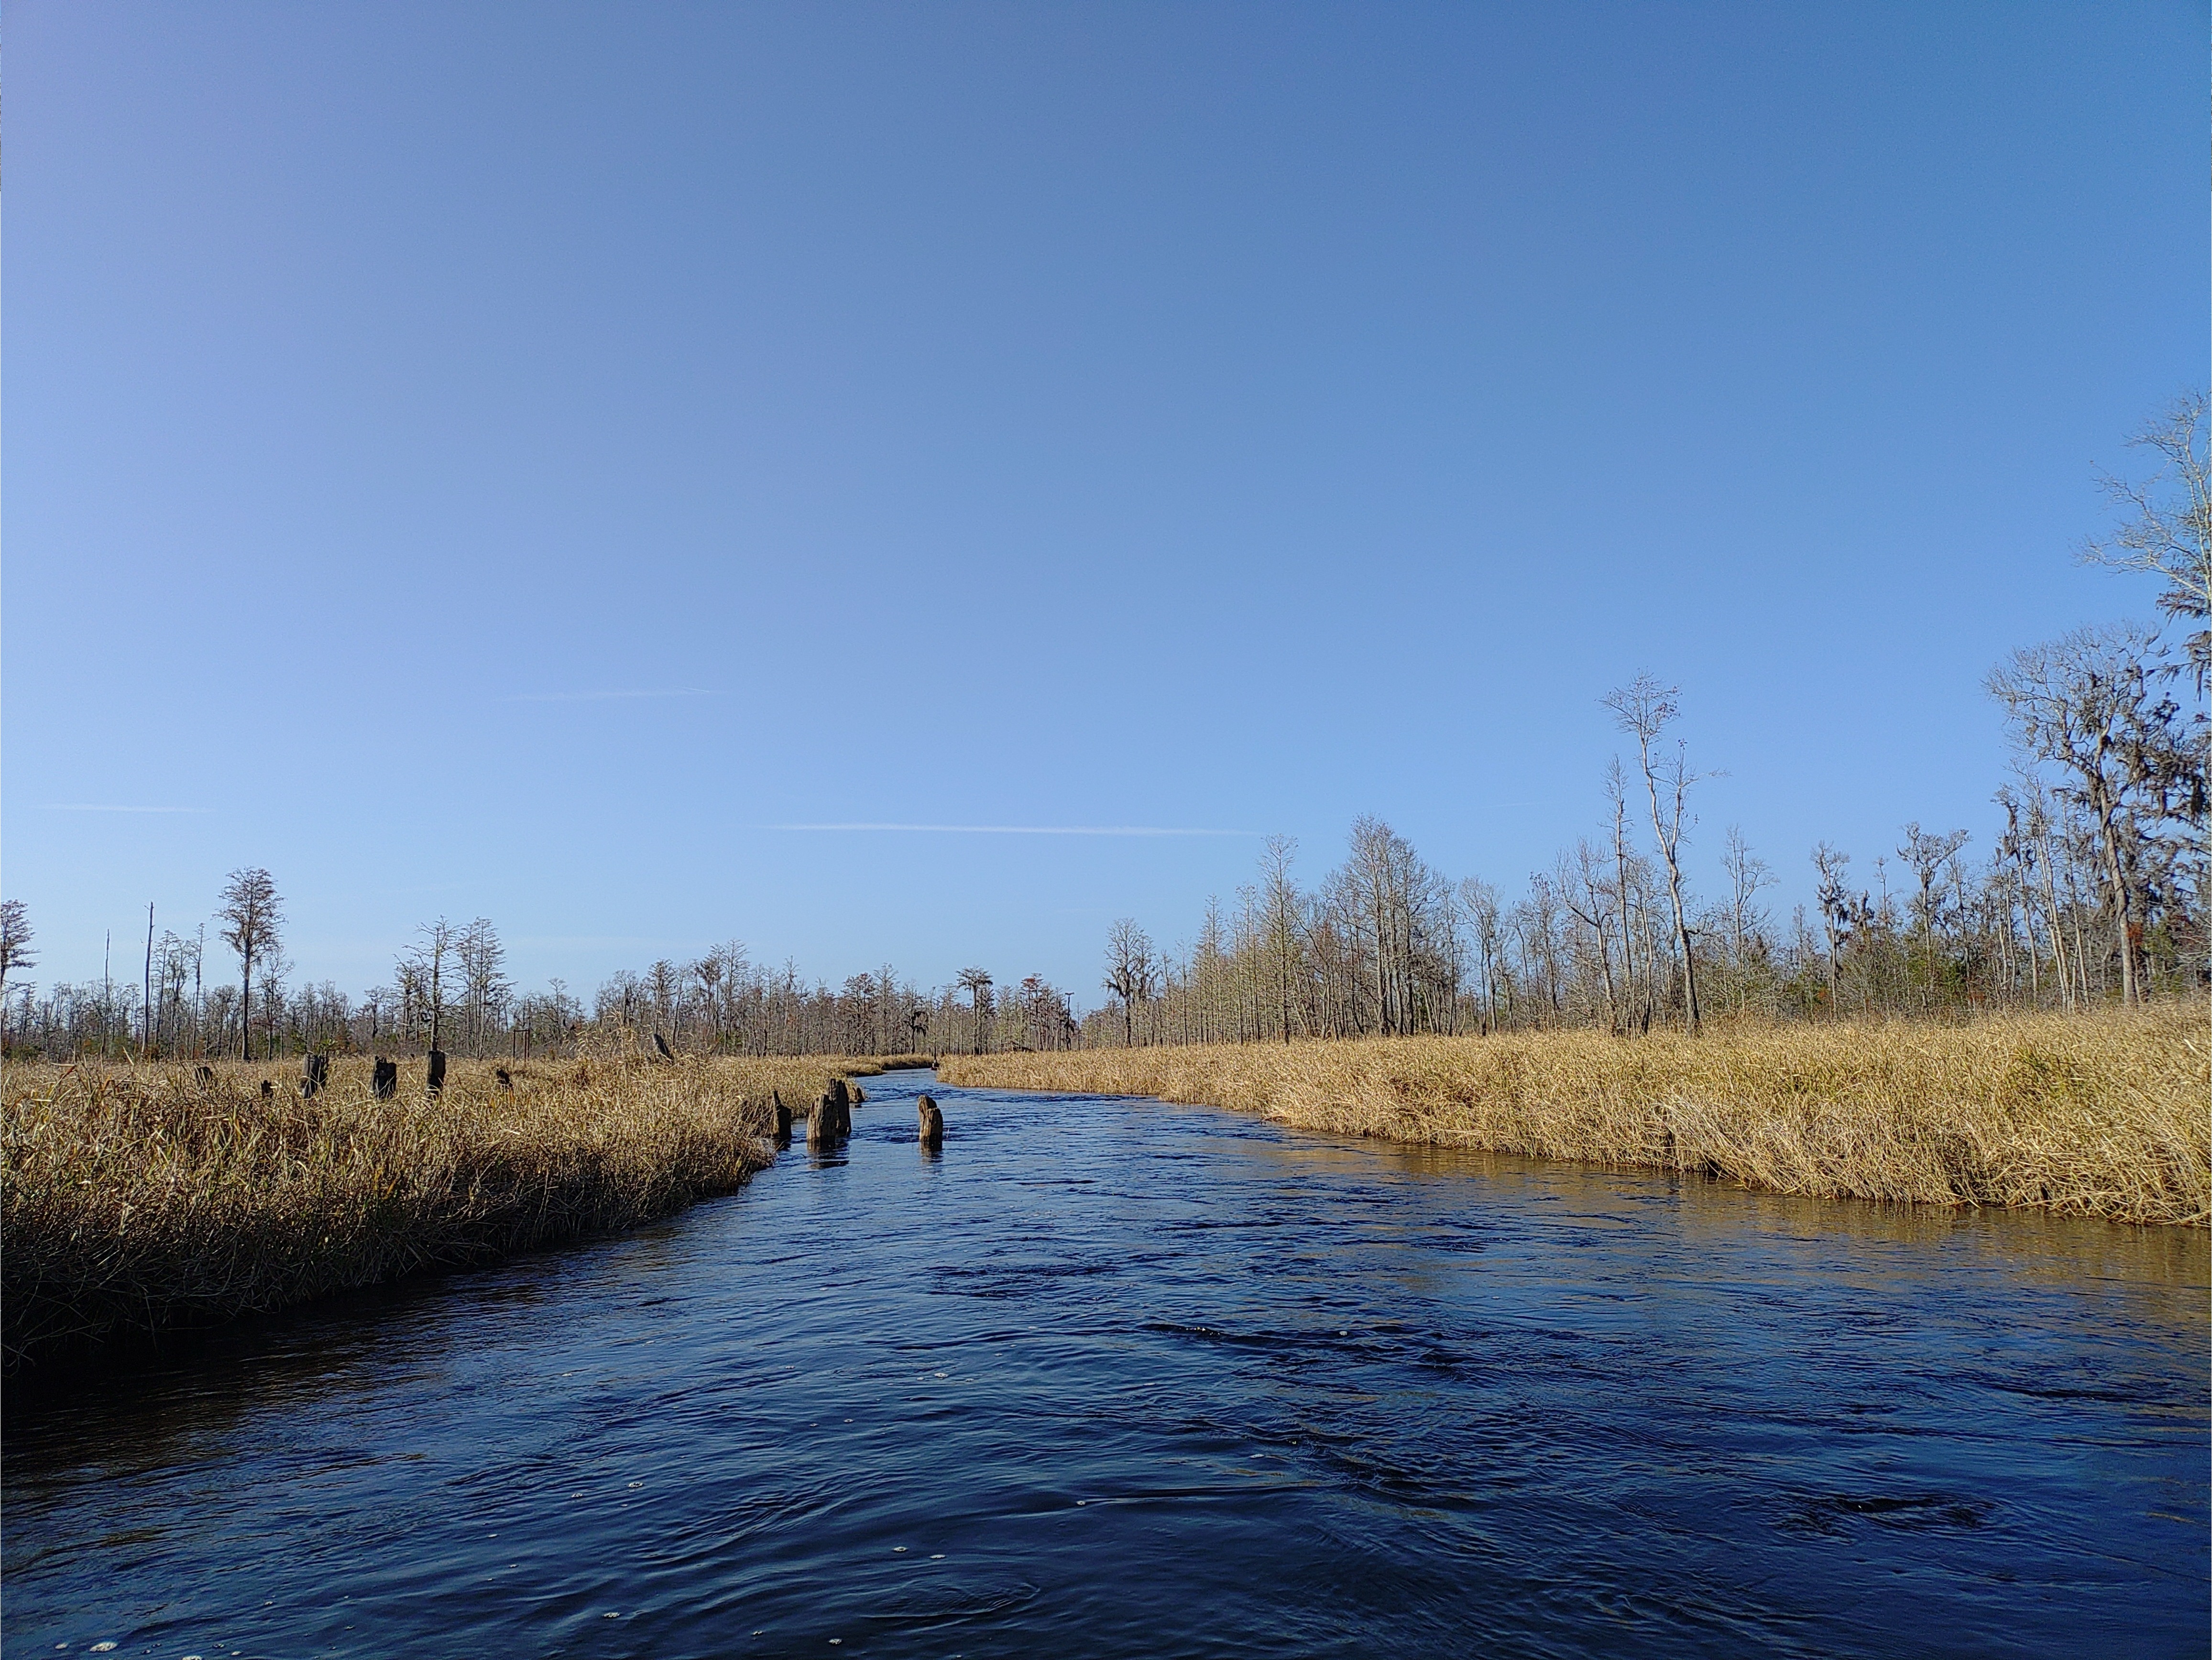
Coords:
2102,1114
137,1199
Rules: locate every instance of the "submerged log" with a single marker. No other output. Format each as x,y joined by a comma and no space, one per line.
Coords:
385,1081
931,1131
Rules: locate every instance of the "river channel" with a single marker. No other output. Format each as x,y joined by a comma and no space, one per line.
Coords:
1114,1378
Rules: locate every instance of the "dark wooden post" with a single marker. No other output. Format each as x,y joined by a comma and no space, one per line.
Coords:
436,1084
931,1130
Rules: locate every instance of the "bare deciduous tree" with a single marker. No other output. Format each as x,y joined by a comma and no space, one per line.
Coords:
425,969
1928,856
2088,704
1478,903
15,937
1746,873
977,982
485,988
1129,971
251,914
1280,908
2170,532
1835,902
1645,709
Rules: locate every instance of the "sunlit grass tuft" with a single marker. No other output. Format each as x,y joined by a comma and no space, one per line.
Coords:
2102,1114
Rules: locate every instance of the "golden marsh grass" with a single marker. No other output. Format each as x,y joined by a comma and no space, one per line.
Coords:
2103,1115
137,1198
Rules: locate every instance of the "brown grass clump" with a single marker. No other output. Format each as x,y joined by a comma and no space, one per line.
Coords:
135,1199
2104,1115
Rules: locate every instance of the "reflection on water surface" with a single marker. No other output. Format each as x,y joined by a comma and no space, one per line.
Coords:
1114,1378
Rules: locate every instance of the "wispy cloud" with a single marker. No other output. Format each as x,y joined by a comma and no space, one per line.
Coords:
1021,830
99,806
610,696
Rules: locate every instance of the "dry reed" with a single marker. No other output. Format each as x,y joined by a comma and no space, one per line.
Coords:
2104,1115
138,1199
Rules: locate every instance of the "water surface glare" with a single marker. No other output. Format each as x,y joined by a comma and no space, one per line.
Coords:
1119,1378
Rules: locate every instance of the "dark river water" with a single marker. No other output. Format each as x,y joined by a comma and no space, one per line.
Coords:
1119,1378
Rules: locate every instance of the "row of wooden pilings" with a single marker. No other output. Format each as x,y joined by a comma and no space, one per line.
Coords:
830,1119
384,1080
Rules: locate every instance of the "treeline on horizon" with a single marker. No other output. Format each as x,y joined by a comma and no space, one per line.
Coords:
2095,891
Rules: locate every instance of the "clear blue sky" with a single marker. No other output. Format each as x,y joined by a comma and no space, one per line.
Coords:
500,459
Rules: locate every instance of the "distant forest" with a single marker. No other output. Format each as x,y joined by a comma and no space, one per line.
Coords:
2095,891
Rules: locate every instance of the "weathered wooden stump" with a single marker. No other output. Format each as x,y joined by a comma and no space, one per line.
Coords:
931,1131
840,1099
385,1080
821,1128
434,1083
314,1073
782,1115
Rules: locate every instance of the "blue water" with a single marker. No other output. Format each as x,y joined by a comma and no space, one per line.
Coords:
1117,1379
